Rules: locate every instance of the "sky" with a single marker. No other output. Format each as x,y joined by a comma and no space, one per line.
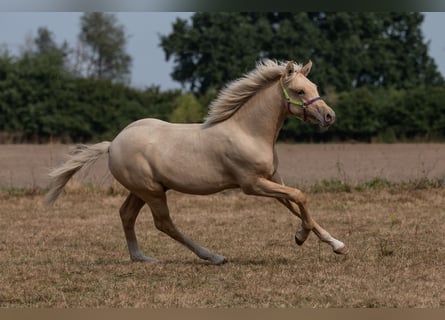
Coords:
143,28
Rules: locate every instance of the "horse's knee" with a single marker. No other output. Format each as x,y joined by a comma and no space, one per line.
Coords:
300,197
302,200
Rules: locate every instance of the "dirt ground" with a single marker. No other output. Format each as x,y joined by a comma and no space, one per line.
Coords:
26,166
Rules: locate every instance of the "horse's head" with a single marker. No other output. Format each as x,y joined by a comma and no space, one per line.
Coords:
302,98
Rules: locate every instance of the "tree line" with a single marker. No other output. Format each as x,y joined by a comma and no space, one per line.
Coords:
372,68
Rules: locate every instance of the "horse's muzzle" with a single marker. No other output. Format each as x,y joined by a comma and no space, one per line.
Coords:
328,118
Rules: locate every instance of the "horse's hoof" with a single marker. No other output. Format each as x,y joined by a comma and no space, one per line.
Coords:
342,250
217,260
298,241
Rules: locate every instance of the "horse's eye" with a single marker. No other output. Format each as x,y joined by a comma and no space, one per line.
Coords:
300,92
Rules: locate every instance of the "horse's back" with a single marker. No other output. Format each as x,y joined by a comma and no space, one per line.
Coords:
184,157
151,124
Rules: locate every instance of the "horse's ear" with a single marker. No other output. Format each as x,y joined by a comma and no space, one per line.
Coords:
306,68
290,69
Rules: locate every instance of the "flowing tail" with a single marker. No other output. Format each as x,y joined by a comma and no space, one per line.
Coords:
81,156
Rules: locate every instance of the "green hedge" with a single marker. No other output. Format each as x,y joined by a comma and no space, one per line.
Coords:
40,101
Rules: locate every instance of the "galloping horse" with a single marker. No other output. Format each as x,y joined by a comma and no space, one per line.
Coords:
233,148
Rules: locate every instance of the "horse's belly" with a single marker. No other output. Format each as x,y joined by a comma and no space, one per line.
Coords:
193,176
199,188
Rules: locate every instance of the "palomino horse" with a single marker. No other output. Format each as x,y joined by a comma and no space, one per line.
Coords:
233,148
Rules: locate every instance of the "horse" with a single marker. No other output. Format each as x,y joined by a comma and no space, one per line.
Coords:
233,148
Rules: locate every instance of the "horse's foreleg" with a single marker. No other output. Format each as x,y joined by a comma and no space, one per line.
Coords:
296,202
338,246
164,223
302,233
129,212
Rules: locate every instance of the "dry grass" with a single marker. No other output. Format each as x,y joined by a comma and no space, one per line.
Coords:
75,255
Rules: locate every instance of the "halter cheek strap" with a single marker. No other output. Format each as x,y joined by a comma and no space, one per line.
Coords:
303,104
304,111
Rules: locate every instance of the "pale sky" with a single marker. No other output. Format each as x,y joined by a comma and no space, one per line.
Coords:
149,65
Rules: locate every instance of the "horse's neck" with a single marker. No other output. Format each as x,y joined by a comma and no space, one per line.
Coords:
263,115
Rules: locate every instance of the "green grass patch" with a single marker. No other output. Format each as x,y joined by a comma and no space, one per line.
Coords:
17,192
337,185
333,185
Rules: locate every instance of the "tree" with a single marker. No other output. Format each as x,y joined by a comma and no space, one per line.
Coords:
217,47
44,41
104,41
46,45
188,109
381,49
33,92
349,50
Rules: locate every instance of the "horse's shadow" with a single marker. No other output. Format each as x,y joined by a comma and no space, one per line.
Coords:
232,261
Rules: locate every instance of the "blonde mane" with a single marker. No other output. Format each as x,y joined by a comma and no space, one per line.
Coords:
238,92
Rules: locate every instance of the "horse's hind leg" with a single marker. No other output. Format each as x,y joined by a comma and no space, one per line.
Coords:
129,211
163,222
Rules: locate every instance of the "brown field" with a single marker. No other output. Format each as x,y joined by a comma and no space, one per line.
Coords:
74,254
26,166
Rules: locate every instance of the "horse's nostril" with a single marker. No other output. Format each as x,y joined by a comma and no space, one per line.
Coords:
328,118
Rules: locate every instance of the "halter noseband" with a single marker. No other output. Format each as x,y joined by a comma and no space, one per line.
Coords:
302,104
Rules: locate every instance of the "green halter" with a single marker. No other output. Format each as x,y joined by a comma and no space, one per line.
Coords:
289,99
302,104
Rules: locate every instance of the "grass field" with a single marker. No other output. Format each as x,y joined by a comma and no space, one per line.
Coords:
74,254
